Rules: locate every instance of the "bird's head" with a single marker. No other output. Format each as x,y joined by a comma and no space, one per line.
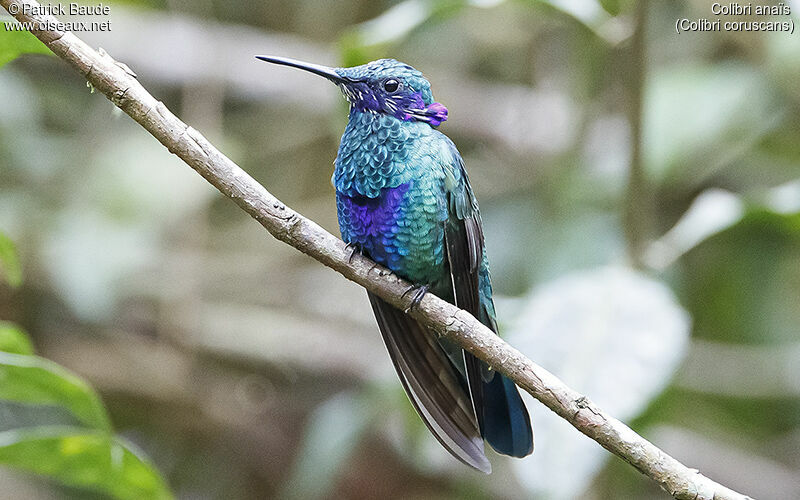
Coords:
384,86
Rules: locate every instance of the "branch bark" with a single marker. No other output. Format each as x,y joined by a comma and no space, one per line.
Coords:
119,84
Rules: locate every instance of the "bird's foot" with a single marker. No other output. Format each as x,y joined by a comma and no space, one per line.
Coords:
353,248
417,293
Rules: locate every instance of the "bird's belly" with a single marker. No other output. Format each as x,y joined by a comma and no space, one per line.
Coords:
400,229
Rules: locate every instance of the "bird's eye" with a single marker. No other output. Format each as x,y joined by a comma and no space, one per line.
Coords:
391,85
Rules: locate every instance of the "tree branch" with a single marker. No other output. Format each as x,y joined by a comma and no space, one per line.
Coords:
119,84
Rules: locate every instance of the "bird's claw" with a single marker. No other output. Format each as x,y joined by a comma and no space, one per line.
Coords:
418,293
353,248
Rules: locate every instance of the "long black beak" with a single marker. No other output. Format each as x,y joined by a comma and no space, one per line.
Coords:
317,69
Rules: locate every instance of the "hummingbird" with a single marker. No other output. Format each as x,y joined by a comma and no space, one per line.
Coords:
404,200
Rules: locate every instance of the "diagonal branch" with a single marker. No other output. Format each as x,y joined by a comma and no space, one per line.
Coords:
119,84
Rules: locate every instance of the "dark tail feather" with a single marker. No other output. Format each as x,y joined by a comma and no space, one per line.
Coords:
506,424
432,384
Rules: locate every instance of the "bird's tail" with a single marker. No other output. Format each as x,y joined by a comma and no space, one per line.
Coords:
503,418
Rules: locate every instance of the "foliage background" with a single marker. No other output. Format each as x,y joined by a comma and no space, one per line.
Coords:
641,196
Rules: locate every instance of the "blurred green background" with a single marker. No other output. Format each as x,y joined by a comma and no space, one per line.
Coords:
641,199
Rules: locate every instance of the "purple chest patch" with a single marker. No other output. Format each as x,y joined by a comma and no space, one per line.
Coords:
364,219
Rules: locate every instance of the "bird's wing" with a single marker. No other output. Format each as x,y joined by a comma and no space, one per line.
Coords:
502,417
464,244
464,237
432,384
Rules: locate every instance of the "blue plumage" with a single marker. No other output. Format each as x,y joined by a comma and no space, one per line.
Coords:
404,199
